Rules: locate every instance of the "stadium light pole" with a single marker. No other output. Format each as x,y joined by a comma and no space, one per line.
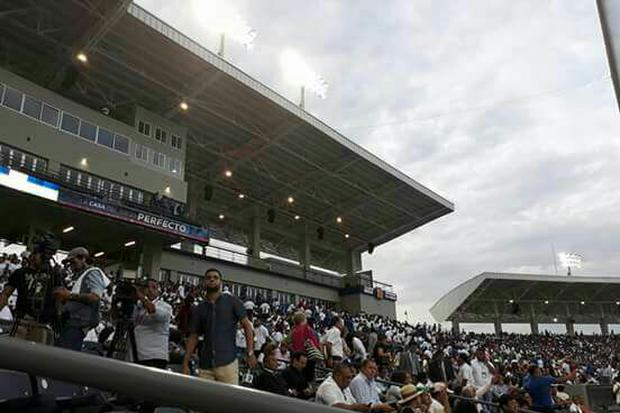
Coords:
570,260
221,18
297,72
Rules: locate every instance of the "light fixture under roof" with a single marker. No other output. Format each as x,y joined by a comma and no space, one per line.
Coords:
290,199
339,220
346,235
99,254
297,217
221,216
68,229
241,196
81,57
228,173
546,301
184,106
130,243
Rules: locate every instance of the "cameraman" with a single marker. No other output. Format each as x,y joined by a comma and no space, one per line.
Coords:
152,326
35,282
81,303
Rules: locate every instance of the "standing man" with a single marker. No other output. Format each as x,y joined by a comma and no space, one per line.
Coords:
465,375
482,374
82,302
539,388
333,342
216,320
152,326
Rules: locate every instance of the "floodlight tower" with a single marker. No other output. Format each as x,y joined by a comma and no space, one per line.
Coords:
221,18
570,260
299,73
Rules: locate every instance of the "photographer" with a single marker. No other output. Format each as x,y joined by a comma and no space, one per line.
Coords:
35,283
152,326
81,308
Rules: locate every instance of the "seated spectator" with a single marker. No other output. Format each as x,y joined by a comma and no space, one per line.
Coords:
401,377
269,379
335,392
439,399
411,402
508,403
295,378
364,388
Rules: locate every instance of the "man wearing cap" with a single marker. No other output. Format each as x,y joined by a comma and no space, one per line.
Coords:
81,304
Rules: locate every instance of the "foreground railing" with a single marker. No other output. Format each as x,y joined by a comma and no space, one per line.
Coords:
161,387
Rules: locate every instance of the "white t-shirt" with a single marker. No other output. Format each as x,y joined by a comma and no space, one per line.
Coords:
466,373
435,407
333,337
261,334
481,373
358,348
329,393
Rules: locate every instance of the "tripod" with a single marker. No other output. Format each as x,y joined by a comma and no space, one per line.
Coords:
124,340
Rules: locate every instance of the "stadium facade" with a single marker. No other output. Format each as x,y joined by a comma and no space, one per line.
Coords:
150,146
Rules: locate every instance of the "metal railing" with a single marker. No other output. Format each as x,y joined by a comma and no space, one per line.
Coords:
158,386
39,167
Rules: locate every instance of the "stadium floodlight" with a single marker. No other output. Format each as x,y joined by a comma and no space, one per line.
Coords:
299,73
570,260
223,19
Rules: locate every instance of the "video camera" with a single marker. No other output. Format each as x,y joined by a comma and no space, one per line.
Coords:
125,298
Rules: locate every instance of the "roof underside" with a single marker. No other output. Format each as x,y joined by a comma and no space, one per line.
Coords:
541,298
274,148
609,13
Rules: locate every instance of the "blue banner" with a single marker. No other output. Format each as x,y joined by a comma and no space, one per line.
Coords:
135,216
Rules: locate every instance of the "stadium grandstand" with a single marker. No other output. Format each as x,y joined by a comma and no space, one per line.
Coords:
116,118
500,298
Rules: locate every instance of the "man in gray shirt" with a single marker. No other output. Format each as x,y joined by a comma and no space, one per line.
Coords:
216,320
152,326
81,304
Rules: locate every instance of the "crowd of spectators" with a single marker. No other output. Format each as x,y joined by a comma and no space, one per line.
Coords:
366,362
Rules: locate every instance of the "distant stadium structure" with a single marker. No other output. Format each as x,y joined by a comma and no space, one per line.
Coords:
501,298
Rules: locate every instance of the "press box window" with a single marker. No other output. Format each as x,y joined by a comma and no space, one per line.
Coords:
121,143
70,123
49,115
32,107
144,128
88,131
159,159
175,166
105,138
176,141
161,135
142,152
12,99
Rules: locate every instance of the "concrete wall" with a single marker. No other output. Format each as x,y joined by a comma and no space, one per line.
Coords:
355,302
193,265
59,147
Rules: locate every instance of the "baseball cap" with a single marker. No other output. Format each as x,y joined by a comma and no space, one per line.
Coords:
77,252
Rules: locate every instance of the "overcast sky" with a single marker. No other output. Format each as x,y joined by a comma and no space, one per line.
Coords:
503,107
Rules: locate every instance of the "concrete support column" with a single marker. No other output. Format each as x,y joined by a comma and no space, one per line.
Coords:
604,328
498,327
354,262
305,255
570,328
255,234
456,327
534,327
150,260
194,195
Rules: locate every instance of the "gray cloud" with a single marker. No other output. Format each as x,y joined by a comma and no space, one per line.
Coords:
501,106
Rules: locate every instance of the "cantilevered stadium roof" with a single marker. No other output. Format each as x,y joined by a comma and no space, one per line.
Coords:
274,148
523,298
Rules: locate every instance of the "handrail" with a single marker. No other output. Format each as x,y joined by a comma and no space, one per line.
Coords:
159,386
